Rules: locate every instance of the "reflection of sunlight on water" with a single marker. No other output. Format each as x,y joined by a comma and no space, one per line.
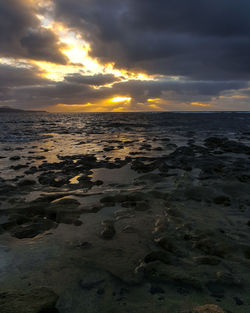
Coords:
67,145
74,180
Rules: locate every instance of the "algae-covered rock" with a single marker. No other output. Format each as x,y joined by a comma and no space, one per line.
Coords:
208,308
108,230
40,300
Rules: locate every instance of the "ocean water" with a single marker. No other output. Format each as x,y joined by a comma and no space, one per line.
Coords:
25,127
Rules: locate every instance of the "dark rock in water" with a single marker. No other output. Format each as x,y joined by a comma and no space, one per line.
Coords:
31,170
209,260
85,245
141,167
18,219
166,244
159,272
26,182
64,210
100,291
108,231
90,284
158,149
156,290
129,229
52,180
109,148
228,279
246,251
77,223
238,301
208,308
157,256
39,300
227,145
98,182
216,290
15,158
222,200
215,248
32,230
19,166
215,142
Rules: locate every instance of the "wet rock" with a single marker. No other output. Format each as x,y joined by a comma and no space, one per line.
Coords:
31,170
26,182
19,166
157,256
129,229
227,145
90,284
85,245
52,179
159,272
158,149
211,247
224,200
151,177
108,230
18,219
165,243
100,291
209,260
15,158
214,142
141,167
98,182
246,251
156,290
238,301
123,214
77,223
174,212
208,308
216,289
163,225
38,300
110,148
110,201
228,279
45,179
32,230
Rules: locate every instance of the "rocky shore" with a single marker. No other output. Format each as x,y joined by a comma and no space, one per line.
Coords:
129,221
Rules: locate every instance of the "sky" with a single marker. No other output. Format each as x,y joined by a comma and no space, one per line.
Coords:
125,55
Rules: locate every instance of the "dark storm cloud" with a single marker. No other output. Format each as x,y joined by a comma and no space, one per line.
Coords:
94,80
12,78
73,92
21,35
181,90
198,39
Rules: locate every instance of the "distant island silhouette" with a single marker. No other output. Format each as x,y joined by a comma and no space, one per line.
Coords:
12,110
